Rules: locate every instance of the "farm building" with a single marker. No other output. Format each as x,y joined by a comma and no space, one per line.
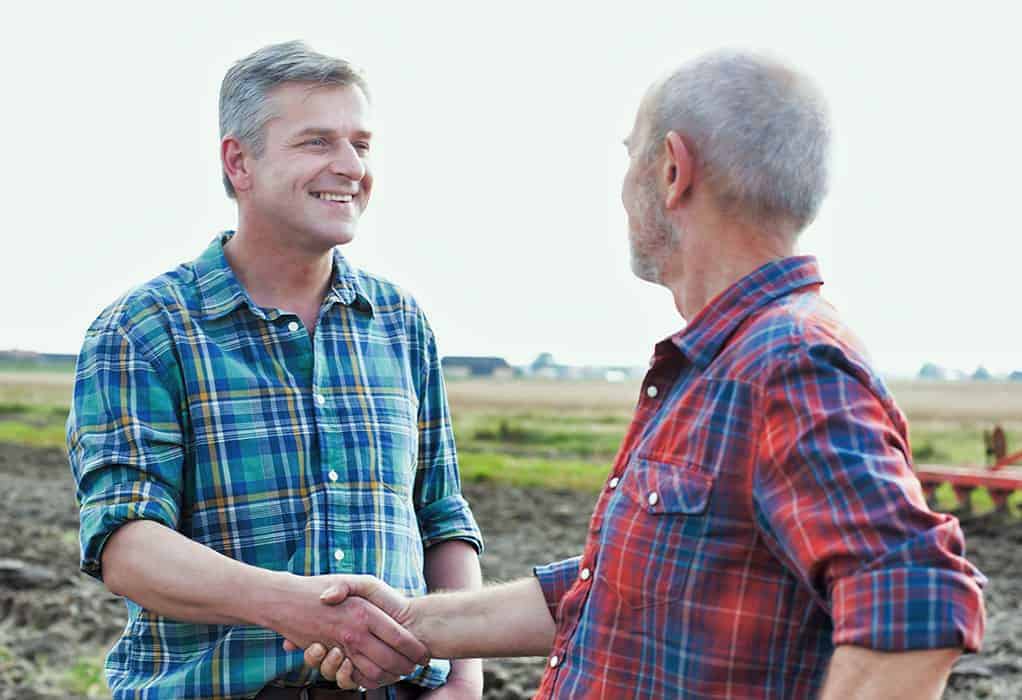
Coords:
462,367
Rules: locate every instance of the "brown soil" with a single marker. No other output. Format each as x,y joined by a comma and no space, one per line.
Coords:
51,615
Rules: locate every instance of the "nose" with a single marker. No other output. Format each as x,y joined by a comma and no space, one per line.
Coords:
348,162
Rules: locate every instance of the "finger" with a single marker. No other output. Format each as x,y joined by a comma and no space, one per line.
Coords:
314,655
377,664
399,639
344,679
332,662
290,646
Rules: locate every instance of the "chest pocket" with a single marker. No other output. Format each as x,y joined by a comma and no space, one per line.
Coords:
397,435
653,531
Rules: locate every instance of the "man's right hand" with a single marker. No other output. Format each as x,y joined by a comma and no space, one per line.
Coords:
352,620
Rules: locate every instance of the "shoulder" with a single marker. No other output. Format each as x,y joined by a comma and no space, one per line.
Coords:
391,303
145,315
800,331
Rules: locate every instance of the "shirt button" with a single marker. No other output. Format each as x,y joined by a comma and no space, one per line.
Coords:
338,554
651,391
614,482
554,660
653,498
320,399
332,475
293,326
585,574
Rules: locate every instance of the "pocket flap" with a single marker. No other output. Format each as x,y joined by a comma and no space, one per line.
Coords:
672,488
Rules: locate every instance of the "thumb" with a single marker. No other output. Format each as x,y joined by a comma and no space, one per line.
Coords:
336,593
379,594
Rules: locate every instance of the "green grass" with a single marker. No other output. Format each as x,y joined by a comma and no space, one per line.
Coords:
549,434
953,443
86,678
566,474
36,365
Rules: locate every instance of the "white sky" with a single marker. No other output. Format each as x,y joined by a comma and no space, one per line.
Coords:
498,161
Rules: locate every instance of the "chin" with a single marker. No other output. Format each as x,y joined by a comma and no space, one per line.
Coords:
336,236
645,268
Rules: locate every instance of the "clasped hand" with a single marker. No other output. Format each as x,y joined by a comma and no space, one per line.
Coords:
369,645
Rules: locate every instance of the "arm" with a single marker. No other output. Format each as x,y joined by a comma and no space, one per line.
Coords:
838,504
173,576
855,673
454,565
509,619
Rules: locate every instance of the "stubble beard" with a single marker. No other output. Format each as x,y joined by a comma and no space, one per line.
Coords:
655,239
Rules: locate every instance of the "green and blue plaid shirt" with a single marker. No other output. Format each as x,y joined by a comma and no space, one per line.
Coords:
195,408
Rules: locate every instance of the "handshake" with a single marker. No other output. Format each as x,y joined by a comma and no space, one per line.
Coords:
372,643
358,631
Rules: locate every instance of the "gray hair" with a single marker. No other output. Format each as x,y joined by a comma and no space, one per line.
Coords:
244,103
758,130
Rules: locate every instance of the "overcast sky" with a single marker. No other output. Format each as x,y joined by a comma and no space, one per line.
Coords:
498,162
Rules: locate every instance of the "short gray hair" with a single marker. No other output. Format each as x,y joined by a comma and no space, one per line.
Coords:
244,108
759,131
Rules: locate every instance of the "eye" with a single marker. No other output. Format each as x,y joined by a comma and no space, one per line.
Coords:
318,141
361,146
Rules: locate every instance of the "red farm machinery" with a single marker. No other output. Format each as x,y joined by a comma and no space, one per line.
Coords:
1001,476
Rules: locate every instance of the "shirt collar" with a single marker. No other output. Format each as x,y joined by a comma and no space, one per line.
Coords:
705,335
221,292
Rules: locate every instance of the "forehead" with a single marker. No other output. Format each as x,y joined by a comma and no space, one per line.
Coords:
296,106
642,114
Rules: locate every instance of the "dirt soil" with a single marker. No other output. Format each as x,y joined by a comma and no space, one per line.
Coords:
51,615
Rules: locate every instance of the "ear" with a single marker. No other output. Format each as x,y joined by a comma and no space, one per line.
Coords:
677,170
235,163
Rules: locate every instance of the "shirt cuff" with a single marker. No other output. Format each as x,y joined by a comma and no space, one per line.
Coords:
432,675
103,513
555,579
449,518
910,608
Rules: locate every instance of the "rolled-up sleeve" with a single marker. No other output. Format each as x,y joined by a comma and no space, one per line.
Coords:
124,442
442,511
555,579
838,502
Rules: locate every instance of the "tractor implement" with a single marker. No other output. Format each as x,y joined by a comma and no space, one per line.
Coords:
1001,477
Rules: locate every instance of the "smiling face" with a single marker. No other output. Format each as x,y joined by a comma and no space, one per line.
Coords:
313,179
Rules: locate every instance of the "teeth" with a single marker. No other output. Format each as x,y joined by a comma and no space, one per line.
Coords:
330,197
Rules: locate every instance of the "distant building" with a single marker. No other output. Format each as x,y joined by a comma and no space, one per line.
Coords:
463,367
1015,376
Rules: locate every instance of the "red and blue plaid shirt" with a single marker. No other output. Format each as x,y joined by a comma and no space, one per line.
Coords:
761,511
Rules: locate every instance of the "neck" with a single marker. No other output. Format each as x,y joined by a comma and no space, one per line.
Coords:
276,274
715,257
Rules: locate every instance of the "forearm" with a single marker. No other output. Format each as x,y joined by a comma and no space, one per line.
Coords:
856,673
454,566
171,575
505,620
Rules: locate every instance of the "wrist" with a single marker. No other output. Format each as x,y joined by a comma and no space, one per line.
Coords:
271,594
467,673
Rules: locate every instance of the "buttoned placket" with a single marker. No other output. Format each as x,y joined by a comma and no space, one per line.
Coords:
336,532
662,378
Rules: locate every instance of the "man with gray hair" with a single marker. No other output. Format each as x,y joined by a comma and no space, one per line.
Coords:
266,416
761,533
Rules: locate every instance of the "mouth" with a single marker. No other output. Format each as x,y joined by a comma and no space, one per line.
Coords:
333,198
